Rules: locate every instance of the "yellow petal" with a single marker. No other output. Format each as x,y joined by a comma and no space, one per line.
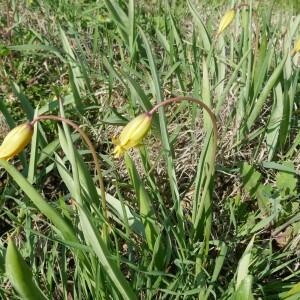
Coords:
296,47
115,140
129,129
138,134
132,134
226,20
118,151
15,141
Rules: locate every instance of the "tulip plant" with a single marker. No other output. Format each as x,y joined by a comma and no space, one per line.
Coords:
16,141
131,136
192,199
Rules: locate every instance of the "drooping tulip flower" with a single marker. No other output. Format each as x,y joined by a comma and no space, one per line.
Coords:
15,141
226,20
132,134
296,48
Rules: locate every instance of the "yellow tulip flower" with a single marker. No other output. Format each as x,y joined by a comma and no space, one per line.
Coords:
132,134
226,20
296,48
15,141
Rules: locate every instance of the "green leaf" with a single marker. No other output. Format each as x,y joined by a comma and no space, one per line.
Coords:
264,196
231,81
256,109
220,259
144,201
206,97
33,153
294,291
251,178
263,223
92,237
202,30
61,225
20,275
286,181
26,105
244,292
75,74
280,167
243,266
168,150
275,122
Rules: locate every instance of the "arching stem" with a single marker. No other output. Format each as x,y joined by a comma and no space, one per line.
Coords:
202,105
92,149
200,208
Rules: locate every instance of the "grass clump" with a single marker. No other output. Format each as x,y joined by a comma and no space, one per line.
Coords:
169,220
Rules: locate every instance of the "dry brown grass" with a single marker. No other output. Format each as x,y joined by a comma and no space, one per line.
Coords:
3,127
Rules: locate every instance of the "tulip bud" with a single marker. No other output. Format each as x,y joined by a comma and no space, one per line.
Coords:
226,20
132,134
15,141
296,48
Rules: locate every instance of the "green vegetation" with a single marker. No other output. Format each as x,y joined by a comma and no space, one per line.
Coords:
177,225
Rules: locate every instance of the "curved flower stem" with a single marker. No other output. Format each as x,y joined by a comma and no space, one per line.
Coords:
201,104
199,209
92,149
242,5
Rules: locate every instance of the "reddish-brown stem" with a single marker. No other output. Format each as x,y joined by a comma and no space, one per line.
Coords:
242,5
92,149
201,104
198,210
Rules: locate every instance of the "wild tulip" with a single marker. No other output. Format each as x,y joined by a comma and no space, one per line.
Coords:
15,141
132,134
296,48
226,20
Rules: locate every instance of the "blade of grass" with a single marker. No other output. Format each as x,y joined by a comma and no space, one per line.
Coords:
164,135
275,121
20,275
93,238
61,225
144,201
256,110
75,75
